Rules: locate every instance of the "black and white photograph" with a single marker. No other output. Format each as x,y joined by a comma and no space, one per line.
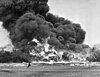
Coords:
49,38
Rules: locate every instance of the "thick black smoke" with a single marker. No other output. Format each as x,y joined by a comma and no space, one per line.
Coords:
28,19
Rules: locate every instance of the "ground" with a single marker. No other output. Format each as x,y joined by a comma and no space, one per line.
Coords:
49,71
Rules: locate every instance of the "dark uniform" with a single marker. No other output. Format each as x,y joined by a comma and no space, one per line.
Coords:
29,64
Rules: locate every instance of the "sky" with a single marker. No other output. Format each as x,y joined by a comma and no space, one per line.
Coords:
4,36
85,12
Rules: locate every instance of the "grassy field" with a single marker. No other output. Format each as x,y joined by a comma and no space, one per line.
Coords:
49,71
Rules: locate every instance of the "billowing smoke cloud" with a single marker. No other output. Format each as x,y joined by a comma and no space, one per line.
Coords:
28,19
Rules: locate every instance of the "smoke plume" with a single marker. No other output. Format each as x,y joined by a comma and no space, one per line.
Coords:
29,19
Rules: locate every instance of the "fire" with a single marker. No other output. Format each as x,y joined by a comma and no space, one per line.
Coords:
44,53
50,54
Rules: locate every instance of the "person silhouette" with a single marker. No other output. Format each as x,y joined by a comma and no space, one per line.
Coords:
29,64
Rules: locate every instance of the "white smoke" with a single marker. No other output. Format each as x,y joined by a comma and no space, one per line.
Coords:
5,41
96,47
